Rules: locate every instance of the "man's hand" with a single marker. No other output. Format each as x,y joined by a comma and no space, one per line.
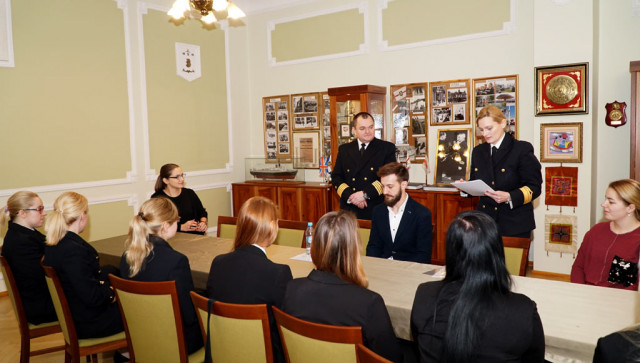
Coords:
358,200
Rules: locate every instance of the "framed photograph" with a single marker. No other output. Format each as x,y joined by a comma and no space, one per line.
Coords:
325,113
277,131
452,158
500,91
306,150
561,142
450,102
307,107
410,112
562,89
345,131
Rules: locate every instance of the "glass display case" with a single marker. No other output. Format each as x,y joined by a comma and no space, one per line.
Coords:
259,169
345,102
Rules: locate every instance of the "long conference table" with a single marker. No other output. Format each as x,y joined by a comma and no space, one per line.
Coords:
573,316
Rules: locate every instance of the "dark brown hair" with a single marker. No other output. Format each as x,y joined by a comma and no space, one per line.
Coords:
400,171
165,172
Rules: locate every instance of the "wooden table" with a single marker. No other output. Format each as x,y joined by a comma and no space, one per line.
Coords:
573,316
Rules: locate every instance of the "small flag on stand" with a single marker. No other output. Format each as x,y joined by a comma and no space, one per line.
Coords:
325,167
408,162
426,164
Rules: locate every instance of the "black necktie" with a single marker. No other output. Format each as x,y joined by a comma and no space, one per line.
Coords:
362,147
494,153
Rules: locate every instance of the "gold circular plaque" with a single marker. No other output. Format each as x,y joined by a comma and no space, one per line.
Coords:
562,89
615,115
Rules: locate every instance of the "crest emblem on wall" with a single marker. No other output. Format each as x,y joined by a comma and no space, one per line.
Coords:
188,64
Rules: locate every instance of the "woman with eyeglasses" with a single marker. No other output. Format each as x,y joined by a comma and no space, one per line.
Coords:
170,184
23,248
77,264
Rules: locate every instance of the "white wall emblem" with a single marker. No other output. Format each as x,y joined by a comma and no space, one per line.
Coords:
188,61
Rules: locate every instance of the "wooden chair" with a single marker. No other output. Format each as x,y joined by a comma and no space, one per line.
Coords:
226,227
74,347
238,333
364,229
147,309
28,331
366,355
516,254
291,233
307,342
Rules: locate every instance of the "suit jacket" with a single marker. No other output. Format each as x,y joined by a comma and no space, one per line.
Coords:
353,173
23,248
513,332
516,171
87,289
166,264
413,238
322,297
247,276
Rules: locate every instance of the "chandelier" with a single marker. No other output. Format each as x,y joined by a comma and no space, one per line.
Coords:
204,9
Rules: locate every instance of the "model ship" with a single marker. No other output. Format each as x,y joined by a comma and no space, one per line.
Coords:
274,172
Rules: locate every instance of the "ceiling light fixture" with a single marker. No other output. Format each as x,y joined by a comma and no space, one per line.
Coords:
204,10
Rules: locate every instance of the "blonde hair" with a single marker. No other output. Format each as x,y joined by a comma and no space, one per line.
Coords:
336,247
491,111
68,207
153,213
257,222
629,192
18,201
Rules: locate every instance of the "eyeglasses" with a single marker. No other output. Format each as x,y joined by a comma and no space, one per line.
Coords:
39,209
181,176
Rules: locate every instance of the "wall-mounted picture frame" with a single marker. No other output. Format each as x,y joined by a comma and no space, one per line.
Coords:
452,157
325,113
409,111
277,128
561,142
450,102
562,89
306,111
499,91
306,150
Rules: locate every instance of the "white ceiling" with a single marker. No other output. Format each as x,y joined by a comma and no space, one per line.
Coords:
258,6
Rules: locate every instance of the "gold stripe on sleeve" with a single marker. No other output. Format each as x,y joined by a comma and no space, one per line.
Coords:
341,188
376,184
528,194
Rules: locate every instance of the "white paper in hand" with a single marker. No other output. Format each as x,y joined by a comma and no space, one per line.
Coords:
474,187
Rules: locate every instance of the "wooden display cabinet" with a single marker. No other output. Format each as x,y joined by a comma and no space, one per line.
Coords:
634,68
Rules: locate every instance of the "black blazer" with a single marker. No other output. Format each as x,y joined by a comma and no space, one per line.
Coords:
23,248
514,332
247,276
352,173
413,238
516,171
322,297
166,264
91,300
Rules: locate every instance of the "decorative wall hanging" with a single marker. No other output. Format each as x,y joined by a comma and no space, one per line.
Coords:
449,102
305,111
562,89
502,92
452,158
188,61
561,186
560,233
325,113
277,128
561,142
306,150
616,114
409,113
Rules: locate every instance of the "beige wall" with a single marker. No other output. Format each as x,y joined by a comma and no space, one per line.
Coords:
110,98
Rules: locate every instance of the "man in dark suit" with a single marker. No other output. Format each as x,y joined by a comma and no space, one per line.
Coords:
401,227
354,172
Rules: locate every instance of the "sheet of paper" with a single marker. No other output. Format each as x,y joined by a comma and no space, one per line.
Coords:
302,257
474,187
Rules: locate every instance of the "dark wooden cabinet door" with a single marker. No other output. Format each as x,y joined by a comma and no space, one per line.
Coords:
315,203
289,203
449,206
270,192
240,195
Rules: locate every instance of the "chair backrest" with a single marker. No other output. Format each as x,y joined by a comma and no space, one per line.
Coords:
227,227
307,342
14,294
62,308
290,233
152,320
366,355
516,254
364,230
239,333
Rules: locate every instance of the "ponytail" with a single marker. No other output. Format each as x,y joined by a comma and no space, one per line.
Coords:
16,202
67,208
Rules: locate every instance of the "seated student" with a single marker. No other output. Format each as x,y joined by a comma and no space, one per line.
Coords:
472,316
148,257
85,283
609,252
170,184
401,227
246,275
336,291
23,248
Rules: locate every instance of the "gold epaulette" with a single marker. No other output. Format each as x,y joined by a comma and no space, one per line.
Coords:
376,184
528,194
341,188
